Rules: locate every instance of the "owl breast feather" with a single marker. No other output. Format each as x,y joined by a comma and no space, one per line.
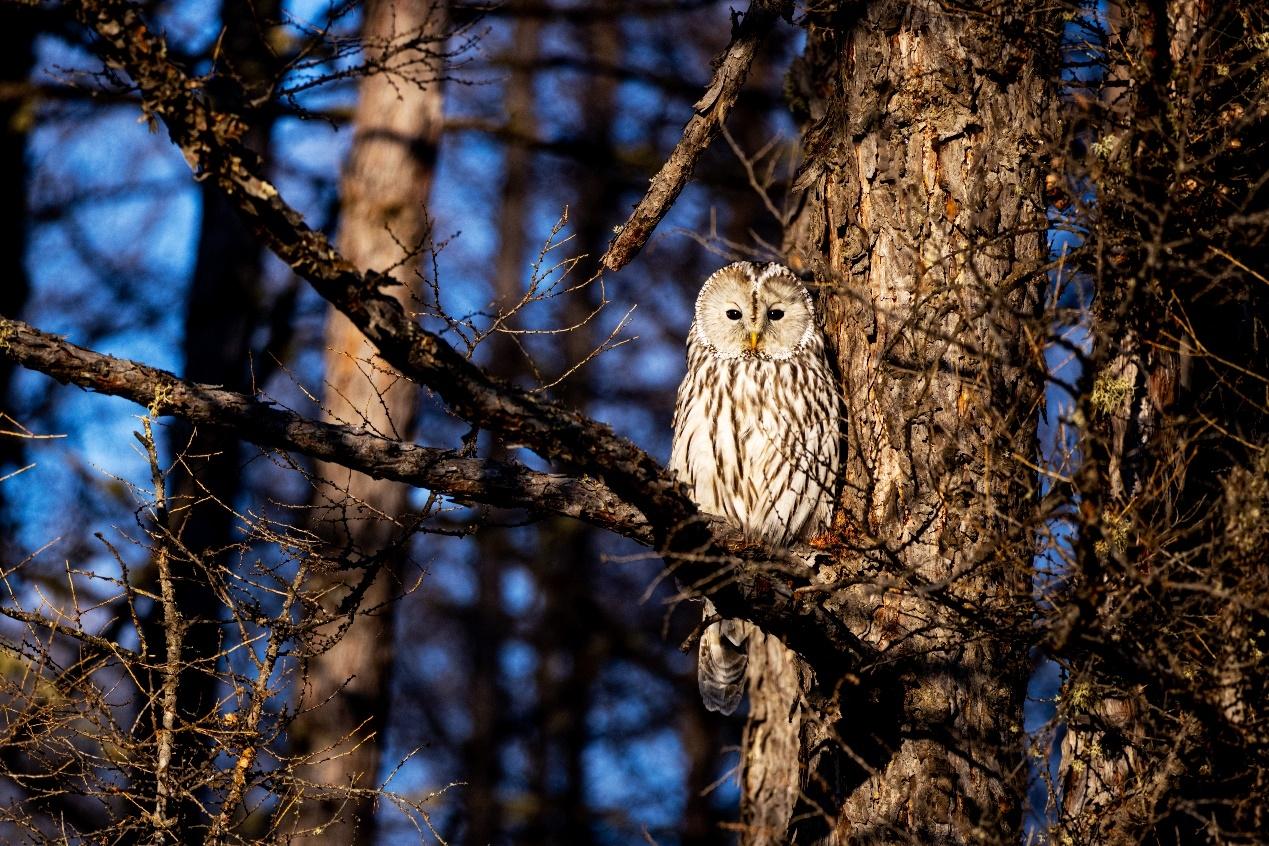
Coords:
756,441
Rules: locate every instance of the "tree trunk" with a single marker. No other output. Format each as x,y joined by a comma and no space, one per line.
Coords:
572,637
1159,745
772,761
486,626
923,222
385,186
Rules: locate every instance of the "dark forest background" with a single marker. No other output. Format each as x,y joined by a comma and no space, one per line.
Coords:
530,661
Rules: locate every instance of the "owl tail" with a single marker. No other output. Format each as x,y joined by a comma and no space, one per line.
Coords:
720,671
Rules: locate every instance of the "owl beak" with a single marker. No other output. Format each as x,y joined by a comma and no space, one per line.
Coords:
753,341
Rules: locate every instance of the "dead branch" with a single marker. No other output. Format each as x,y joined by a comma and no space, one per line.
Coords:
710,112
174,635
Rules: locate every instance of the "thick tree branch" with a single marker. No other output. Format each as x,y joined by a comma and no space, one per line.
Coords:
210,142
504,484
711,112
743,585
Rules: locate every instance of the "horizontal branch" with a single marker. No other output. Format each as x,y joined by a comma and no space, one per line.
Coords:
500,483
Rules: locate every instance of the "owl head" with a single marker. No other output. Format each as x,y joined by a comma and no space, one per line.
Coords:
748,310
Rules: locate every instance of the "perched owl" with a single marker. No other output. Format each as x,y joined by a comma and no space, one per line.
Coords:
755,432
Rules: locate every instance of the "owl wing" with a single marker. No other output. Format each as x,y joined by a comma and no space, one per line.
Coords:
701,413
694,456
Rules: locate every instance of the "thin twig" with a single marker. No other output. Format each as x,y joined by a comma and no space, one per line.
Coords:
174,635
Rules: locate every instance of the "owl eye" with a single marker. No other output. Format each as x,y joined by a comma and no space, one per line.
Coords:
775,314
733,314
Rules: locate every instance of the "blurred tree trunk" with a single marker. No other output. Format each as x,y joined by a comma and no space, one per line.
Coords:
222,312
924,219
383,221
17,114
487,623
572,637
699,734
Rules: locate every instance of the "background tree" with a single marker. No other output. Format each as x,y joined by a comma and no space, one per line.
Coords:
224,310
367,522
15,120
1165,623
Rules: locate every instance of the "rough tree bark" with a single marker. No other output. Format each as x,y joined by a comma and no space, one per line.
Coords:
383,224
923,220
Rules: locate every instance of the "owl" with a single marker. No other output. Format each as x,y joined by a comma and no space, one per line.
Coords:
755,432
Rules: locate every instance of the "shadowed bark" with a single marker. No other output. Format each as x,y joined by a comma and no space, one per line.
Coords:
1160,745
486,627
17,55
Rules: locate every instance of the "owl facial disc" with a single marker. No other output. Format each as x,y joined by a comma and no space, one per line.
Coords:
745,310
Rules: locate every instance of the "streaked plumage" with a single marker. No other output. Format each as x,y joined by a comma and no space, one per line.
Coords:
755,431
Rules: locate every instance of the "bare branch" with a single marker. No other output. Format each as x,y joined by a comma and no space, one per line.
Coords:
710,113
211,143
174,636
505,484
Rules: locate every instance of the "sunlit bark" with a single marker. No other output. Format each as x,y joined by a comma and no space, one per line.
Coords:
382,227
923,222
